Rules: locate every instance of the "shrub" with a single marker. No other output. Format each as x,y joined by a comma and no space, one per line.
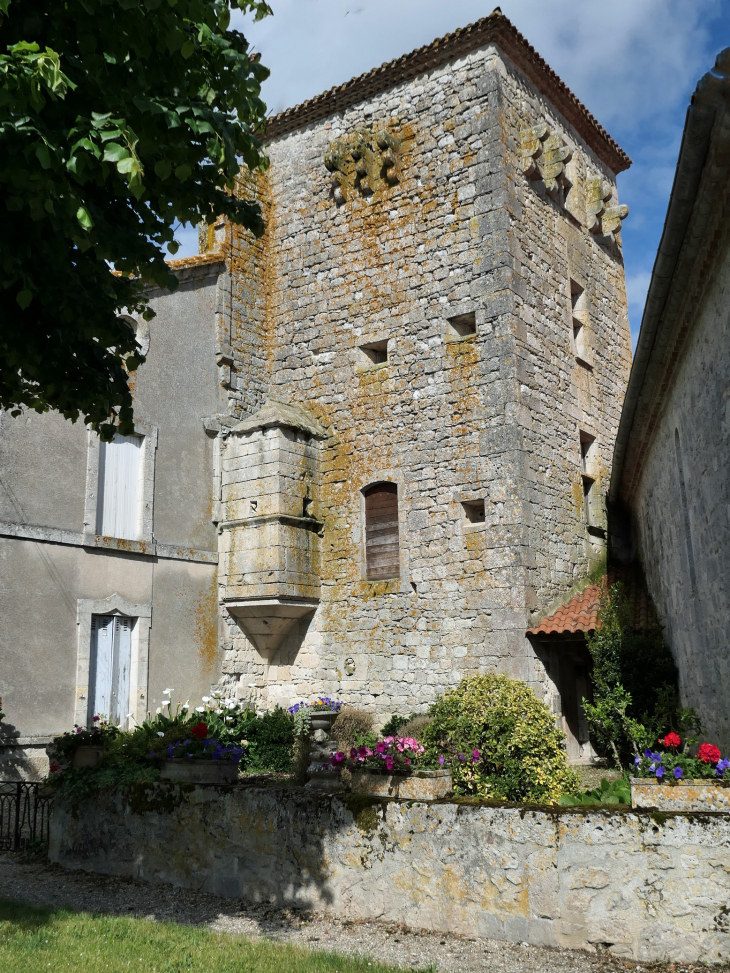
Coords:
614,792
521,750
416,726
634,683
351,726
396,723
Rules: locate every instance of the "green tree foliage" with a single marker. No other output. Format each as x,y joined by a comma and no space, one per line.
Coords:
521,751
635,696
118,118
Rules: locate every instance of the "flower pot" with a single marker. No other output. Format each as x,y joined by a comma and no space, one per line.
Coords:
88,756
684,795
421,785
200,771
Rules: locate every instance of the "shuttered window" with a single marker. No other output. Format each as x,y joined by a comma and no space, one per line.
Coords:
111,657
119,506
381,532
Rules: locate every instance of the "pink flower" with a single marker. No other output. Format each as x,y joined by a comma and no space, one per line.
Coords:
389,762
353,754
476,756
406,761
380,746
441,760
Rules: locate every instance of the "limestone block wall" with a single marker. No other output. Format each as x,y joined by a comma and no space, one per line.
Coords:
457,267
680,509
644,886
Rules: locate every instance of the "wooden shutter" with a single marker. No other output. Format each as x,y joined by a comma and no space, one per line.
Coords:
120,488
109,665
101,665
381,532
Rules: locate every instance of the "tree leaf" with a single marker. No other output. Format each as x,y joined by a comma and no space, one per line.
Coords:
163,169
183,172
82,215
24,298
114,152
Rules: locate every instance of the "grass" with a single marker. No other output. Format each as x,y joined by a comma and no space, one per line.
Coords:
41,940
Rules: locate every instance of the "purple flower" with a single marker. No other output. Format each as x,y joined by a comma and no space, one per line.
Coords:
722,766
678,773
476,757
152,753
461,757
441,760
647,754
637,760
660,771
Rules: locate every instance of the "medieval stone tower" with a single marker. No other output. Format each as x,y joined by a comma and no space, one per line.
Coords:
425,360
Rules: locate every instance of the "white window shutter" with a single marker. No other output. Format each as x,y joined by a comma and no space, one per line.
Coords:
120,488
101,665
122,662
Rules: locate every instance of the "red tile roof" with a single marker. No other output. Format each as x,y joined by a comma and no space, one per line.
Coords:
580,614
494,29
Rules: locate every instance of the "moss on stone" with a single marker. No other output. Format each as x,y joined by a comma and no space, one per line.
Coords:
149,798
364,811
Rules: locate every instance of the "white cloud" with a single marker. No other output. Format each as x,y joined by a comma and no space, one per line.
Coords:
627,62
636,287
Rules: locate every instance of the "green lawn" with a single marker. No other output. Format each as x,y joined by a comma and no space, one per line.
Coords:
38,940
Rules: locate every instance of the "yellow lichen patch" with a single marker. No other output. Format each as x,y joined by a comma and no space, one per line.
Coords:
205,625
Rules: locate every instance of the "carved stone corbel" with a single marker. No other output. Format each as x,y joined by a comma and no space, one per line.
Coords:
364,163
604,220
544,155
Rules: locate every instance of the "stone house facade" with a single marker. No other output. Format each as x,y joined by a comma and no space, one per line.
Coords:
440,295
408,395
670,485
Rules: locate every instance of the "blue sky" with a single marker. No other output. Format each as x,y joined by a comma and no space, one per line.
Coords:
634,63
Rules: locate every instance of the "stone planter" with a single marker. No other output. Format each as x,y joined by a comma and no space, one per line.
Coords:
88,756
322,776
421,785
200,771
684,795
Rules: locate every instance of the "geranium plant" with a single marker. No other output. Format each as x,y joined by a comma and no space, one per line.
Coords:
671,765
392,755
99,734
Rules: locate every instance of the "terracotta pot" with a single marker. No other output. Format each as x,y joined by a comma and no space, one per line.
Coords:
421,785
682,795
206,771
88,756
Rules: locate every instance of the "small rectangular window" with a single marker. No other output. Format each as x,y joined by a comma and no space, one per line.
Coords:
474,511
110,663
382,547
462,325
374,353
119,506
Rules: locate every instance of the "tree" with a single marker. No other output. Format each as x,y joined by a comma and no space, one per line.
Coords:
118,118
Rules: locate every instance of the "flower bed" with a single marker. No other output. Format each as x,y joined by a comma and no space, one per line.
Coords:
672,765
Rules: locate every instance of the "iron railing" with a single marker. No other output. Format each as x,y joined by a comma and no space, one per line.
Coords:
25,814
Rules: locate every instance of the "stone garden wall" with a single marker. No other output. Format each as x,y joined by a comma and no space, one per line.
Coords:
644,885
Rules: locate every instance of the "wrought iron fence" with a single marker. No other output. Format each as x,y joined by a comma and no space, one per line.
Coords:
25,814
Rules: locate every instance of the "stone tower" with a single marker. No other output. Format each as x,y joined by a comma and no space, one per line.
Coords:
427,354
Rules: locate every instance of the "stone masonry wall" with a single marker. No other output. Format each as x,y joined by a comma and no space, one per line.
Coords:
494,416
681,508
646,886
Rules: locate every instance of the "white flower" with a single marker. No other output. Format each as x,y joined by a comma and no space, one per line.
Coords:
165,702
200,709
206,699
160,733
232,705
158,710
228,719
167,692
218,712
130,715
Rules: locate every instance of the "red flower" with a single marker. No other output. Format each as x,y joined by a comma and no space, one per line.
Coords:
200,731
671,740
708,753
55,767
95,719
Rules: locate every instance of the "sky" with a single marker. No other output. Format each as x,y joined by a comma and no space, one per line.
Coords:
633,63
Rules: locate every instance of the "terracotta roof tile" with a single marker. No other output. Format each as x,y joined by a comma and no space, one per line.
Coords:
580,614
495,28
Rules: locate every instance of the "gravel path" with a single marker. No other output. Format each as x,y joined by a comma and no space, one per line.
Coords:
49,885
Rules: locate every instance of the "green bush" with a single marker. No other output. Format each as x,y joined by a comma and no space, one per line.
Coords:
352,725
634,683
521,750
269,740
615,792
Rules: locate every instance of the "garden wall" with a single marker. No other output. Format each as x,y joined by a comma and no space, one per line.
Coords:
647,885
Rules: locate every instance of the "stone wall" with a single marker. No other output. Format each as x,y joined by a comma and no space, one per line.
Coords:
461,232
681,509
646,886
